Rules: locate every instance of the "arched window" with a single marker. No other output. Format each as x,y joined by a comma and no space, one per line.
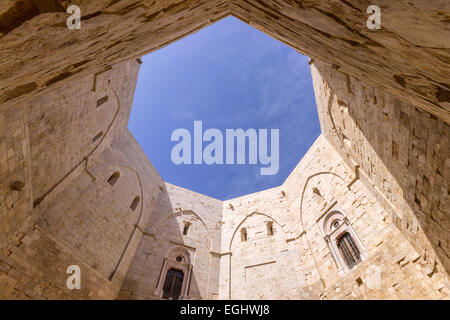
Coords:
102,101
270,228
349,250
186,228
114,177
343,242
135,203
243,234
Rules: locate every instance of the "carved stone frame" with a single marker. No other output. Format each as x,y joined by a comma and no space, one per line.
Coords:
184,265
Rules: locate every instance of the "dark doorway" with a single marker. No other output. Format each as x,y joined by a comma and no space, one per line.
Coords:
173,284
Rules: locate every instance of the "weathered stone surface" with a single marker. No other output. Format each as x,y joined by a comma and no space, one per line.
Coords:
52,143
164,234
402,152
76,188
295,261
402,57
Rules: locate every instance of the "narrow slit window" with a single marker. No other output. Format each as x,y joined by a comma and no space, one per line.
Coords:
135,203
98,136
186,228
102,101
347,141
114,177
270,228
243,234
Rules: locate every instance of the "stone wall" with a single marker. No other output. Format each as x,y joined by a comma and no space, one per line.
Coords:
175,208
402,153
296,262
48,139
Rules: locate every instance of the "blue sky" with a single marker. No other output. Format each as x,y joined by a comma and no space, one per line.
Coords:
228,75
